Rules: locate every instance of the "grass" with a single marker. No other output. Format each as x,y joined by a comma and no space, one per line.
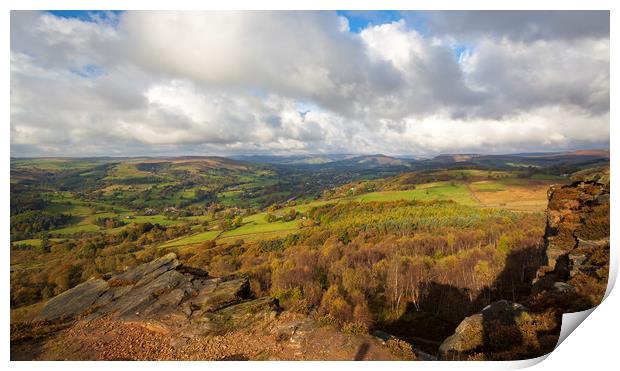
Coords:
457,192
35,241
513,194
481,173
503,193
68,205
193,239
87,224
303,207
85,214
257,236
53,163
76,229
487,186
155,219
494,189
257,226
254,227
126,171
124,188
188,193
547,177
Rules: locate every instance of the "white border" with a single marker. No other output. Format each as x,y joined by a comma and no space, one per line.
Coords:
592,346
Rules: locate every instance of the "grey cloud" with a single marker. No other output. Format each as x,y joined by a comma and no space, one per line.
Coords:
297,54
519,25
62,43
521,77
273,121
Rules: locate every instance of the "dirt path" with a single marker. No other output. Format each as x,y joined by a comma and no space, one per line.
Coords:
473,194
290,337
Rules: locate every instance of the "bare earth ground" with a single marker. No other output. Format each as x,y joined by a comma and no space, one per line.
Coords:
289,337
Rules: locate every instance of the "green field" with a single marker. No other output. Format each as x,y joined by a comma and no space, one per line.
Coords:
487,186
547,177
456,192
193,239
55,163
126,171
154,219
253,227
76,229
501,192
35,242
256,224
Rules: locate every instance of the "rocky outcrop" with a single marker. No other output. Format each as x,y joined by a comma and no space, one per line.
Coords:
577,236
574,279
75,301
164,293
481,331
164,310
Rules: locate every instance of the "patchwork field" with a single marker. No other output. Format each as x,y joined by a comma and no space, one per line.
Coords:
518,196
455,192
501,191
505,193
197,195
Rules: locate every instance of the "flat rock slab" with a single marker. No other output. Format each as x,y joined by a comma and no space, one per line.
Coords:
75,301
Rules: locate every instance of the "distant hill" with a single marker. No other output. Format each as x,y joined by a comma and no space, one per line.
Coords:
372,162
456,157
310,159
379,160
570,160
588,152
197,162
331,160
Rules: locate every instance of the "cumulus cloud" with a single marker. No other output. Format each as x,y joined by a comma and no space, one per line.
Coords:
303,82
520,76
432,76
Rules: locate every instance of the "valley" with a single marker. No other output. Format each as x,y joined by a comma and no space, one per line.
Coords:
357,244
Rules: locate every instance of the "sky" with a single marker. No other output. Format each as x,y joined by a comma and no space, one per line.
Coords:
134,83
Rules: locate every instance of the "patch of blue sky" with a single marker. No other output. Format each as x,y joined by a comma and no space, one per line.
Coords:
107,16
416,20
461,51
304,107
360,19
89,71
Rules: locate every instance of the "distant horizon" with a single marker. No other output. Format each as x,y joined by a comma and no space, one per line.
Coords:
232,156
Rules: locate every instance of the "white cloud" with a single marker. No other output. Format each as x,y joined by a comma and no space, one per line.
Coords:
234,82
519,76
